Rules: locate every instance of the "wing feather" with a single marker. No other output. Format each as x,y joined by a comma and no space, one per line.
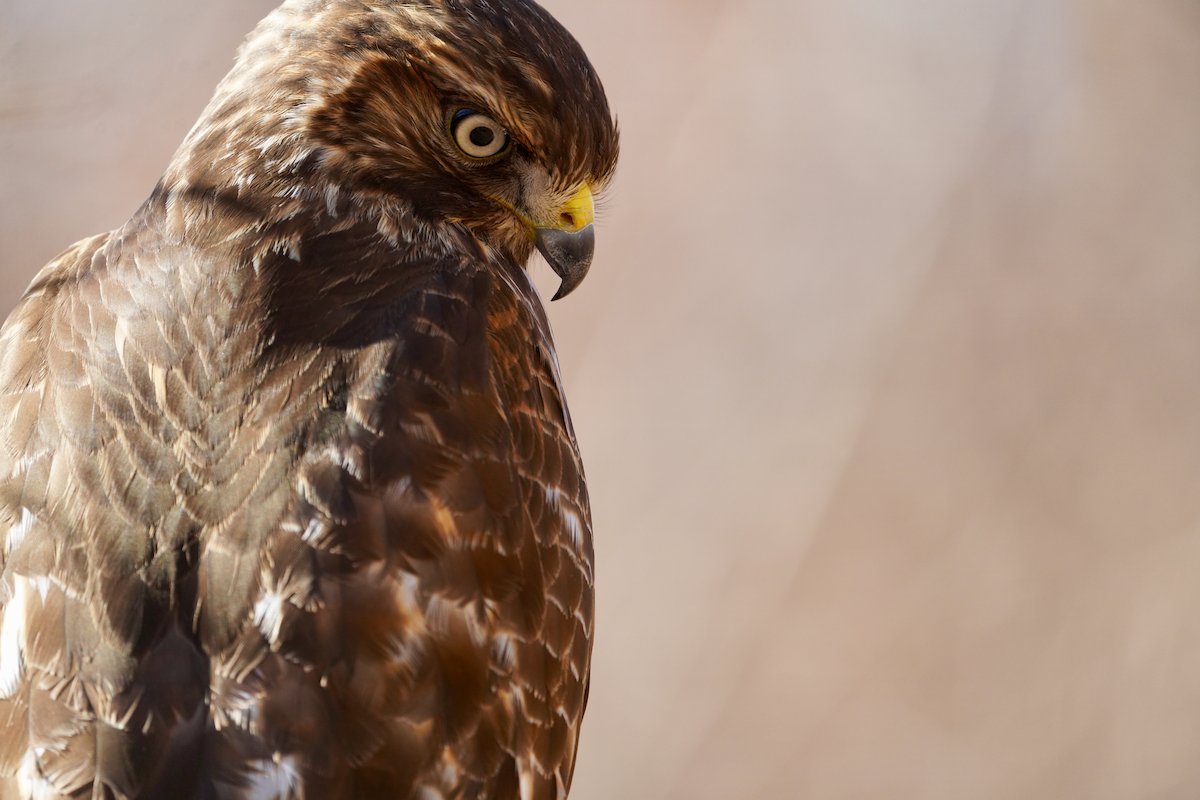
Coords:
248,555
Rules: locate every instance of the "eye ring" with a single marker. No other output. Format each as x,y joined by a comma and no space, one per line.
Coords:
477,135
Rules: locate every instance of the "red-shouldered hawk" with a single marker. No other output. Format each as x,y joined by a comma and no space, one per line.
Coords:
290,501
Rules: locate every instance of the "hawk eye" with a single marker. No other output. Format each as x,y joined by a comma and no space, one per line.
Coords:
478,135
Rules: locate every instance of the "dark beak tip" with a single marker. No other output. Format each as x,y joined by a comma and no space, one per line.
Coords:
569,254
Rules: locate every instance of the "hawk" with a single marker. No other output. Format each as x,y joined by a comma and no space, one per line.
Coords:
290,500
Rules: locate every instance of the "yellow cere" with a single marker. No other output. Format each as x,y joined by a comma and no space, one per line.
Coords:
578,212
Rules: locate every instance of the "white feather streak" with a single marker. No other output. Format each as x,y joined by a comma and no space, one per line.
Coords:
17,533
557,500
276,779
12,639
42,584
268,615
31,782
574,528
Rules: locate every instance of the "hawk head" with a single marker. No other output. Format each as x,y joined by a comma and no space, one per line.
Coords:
476,117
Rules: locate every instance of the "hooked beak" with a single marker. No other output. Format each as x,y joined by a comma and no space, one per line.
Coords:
568,243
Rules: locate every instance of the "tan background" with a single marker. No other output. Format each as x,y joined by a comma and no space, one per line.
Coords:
887,376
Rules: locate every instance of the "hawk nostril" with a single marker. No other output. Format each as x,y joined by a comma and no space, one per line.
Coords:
566,219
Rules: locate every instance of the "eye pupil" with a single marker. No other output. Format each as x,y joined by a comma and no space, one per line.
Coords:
482,137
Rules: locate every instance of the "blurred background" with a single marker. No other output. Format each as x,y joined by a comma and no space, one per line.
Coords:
887,376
